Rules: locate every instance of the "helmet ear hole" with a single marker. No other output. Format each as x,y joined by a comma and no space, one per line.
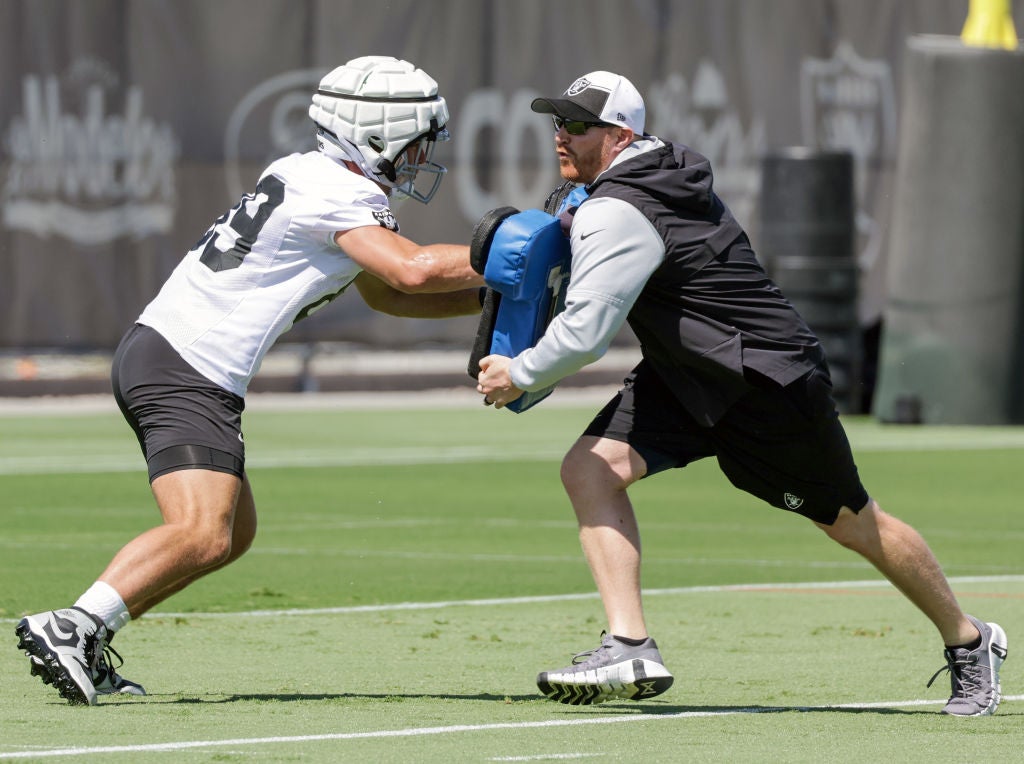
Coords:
376,143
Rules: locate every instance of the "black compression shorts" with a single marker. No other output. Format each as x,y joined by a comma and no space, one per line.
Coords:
182,419
784,445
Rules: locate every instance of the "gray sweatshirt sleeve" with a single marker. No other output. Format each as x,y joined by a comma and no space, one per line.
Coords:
615,249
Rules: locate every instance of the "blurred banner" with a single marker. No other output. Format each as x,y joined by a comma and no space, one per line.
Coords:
128,126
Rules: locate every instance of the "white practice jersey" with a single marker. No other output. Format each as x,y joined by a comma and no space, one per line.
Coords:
267,262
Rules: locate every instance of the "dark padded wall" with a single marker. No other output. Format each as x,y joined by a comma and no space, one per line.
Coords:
953,334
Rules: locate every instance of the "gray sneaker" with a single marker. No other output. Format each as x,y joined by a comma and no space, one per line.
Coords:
613,670
974,674
63,644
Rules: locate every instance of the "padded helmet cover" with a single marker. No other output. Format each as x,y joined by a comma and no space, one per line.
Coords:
379,105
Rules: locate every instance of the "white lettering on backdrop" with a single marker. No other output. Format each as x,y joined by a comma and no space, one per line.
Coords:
89,177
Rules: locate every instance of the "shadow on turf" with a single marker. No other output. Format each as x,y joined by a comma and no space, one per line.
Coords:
724,710
604,708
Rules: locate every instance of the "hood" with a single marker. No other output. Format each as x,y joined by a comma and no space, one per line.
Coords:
674,174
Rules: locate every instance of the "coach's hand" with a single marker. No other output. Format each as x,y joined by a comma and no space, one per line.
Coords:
495,382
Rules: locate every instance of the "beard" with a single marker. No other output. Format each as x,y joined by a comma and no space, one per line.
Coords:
584,161
579,169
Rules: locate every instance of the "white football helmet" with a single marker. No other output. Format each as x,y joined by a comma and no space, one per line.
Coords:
385,115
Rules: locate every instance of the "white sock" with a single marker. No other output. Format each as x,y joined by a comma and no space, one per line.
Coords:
106,604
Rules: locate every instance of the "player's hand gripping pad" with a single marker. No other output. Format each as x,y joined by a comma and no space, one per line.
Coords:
526,265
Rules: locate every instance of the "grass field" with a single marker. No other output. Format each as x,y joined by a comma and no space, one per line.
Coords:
415,568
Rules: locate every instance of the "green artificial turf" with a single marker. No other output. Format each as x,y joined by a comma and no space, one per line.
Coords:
414,569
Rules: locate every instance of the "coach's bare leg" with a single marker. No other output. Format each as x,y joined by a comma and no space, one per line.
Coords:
242,534
596,473
902,556
198,508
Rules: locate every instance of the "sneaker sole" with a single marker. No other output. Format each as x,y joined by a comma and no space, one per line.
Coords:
633,680
47,666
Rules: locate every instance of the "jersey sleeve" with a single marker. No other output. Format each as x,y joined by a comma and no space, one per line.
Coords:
355,211
615,249
325,197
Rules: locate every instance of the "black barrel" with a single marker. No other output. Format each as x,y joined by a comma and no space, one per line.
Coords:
808,237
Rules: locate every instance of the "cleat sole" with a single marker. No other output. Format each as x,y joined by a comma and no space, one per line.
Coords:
46,666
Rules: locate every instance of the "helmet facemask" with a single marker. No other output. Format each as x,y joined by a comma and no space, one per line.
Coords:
415,158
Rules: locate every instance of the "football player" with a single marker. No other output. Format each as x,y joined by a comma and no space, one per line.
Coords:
315,224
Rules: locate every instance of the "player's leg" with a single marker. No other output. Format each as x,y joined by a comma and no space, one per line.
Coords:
169,405
787,446
902,556
627,663
975,650
67,647
173,409
641,431
596,473
106,679
198,509
243,532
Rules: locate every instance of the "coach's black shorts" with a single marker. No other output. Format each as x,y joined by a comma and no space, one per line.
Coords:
784,445
182,419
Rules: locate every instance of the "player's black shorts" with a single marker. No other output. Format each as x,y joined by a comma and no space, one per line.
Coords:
784,445
182,419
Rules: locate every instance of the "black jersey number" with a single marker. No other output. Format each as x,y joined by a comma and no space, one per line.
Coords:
247,228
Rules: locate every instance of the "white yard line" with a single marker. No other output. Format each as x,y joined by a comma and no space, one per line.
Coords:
502,601
131,461
492,602
182,745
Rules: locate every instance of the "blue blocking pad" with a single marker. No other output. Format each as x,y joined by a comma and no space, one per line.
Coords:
528,265
525,260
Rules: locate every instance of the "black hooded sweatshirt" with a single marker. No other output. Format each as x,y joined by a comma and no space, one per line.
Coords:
709,313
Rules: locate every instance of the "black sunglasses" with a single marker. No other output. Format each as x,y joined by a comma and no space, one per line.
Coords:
573,126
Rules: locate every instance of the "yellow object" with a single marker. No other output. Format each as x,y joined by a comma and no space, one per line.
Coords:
989,25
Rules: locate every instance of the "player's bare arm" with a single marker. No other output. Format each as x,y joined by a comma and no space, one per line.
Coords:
407,266
385,298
